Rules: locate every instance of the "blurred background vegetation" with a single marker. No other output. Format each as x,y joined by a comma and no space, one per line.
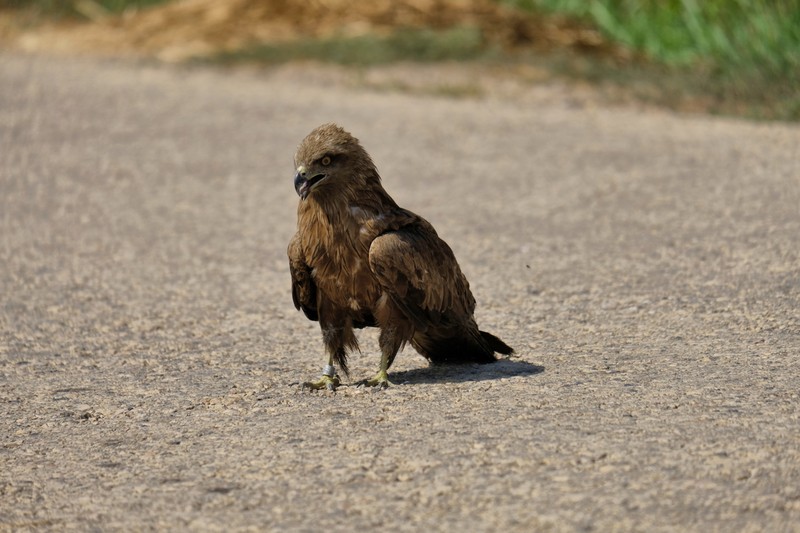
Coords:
738,57
75,8
740,49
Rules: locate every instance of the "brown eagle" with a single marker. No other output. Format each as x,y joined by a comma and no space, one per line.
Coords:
359,260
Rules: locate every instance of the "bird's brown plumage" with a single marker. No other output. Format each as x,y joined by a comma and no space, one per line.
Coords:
358,259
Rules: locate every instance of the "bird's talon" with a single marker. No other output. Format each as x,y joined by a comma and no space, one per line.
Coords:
381,380
325,382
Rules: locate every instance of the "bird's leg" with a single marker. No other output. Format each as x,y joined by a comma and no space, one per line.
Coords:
329,380
381,379
390,343
335,339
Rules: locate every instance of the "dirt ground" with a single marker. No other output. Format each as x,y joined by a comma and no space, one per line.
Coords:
645,266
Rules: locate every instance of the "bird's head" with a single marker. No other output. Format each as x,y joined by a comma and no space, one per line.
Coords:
329,158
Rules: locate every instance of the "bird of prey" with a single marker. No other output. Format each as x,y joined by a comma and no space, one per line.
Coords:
359,260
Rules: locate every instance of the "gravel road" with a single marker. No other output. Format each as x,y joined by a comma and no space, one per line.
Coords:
645,266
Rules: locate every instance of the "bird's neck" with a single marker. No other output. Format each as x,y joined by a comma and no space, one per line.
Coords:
352,215
366,194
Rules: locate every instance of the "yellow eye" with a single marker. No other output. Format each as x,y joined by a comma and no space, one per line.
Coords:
326,161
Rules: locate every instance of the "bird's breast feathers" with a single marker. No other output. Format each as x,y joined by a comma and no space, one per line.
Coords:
336,248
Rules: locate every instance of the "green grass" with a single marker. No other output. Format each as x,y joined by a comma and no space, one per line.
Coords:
424,45
732,50
728,33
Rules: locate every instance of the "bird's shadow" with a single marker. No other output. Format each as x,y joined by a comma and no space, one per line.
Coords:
503,368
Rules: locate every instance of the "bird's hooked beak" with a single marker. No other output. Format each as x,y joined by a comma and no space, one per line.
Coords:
303,184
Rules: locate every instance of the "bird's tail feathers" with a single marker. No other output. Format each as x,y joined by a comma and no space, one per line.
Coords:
463,349
496,344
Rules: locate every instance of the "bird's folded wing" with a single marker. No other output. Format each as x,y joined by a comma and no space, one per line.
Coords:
419,272
304,290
